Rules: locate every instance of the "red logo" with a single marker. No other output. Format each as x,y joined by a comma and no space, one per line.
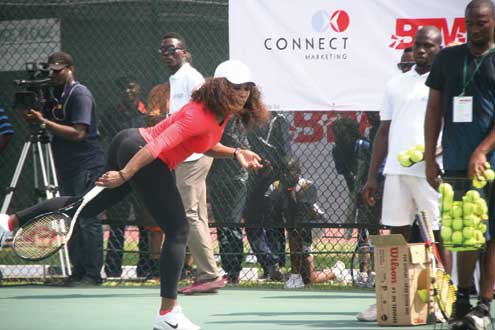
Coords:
339,21
406,28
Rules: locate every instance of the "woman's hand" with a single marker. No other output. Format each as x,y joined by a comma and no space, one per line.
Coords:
111,179
248,159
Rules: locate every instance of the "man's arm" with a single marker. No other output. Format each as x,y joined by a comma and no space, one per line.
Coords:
380,150
433,124
75,132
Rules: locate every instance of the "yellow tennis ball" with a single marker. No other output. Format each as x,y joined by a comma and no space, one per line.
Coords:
457,237
489,175
423,295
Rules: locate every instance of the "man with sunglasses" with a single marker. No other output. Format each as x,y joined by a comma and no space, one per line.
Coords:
78,159
191,174
406,60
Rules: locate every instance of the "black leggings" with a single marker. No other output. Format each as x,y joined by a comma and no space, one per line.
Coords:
155,186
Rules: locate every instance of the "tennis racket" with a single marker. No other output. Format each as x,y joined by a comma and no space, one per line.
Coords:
444,290
45,234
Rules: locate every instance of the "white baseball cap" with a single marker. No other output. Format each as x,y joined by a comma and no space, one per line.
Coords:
234,71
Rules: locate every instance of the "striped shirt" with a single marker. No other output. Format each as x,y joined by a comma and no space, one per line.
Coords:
6,127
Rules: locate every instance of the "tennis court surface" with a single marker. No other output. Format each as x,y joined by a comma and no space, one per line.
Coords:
55,308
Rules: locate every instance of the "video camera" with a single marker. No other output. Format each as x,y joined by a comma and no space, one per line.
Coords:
36,91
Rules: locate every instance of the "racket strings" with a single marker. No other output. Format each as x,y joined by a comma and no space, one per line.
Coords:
446,292
42,237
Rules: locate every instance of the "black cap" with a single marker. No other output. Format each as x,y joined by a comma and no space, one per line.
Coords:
60,60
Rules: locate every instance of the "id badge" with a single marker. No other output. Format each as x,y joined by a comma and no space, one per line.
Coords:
463,109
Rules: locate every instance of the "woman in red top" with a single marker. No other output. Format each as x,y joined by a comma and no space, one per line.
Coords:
143,159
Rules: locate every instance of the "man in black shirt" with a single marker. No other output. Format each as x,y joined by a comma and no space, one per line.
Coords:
468,139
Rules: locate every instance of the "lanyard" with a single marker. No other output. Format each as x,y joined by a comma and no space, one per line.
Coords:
466,81
67,92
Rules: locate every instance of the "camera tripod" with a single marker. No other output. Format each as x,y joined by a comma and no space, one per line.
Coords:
39,143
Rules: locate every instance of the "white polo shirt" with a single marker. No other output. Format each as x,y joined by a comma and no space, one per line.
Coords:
404,104
182,84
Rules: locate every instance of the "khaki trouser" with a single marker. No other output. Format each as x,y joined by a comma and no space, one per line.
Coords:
191,182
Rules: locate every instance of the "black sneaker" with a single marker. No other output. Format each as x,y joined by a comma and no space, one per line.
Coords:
461,308
479,318
276,273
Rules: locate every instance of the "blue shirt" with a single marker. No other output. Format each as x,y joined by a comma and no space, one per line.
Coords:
459,140
73,156
6,127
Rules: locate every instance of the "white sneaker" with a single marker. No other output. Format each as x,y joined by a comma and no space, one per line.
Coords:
368,315
4,229
295,281
371,280
360,278
175,320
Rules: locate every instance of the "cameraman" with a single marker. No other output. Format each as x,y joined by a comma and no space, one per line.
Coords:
78,159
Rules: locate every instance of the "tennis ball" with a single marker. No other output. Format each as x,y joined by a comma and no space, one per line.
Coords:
456,211
445,187
480,207
476,221
468,221
470,242
479,237
423,295
479,182
404,159
457,237
468,232
472,196
416,156
445,206
420,147
489,175
487,165
467,208
482,228
446,220
446,233
457,224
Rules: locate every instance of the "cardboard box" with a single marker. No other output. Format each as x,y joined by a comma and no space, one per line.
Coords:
401,269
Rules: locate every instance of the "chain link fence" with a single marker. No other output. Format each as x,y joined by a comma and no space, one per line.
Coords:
115,46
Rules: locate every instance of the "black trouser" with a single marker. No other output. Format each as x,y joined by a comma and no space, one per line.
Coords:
254,215
155,186
227,202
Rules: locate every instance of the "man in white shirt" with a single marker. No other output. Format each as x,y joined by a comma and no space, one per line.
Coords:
406,189
191,174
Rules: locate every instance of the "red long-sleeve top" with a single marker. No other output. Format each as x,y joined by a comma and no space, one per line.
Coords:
194,128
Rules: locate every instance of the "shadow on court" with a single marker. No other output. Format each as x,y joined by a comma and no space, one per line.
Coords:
54,308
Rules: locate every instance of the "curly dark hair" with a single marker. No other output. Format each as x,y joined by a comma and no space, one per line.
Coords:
218,95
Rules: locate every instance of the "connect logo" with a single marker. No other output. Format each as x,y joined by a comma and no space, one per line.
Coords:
338,21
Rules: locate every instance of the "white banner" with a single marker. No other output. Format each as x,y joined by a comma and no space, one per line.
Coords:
332,55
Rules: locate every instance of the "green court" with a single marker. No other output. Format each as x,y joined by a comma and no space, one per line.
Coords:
55,308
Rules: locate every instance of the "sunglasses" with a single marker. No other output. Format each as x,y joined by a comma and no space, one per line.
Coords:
57,71
238,87
405,65
169,50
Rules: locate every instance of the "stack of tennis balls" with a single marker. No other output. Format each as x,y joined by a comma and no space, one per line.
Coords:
488,175
463,222
411,156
